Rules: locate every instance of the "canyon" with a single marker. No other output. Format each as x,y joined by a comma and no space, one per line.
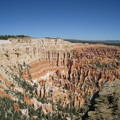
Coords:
54,79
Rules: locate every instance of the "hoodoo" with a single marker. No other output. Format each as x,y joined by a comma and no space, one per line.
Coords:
57,79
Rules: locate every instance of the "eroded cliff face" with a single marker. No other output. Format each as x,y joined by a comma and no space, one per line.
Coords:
54,76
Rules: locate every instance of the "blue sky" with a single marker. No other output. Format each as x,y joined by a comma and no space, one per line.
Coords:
79,19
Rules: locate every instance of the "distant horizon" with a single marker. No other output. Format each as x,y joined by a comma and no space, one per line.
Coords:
61,38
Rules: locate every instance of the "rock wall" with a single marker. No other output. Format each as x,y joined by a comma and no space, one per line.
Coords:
28,49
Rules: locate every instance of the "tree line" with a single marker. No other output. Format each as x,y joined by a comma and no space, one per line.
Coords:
6,37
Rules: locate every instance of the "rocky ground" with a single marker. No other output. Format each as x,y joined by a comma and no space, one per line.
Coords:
52,79
107,104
